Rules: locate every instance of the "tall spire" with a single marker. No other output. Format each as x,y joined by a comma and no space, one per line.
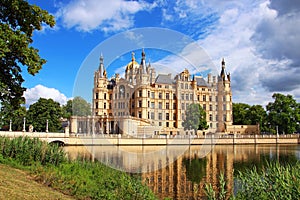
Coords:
223,75
143,61
101,66
132,56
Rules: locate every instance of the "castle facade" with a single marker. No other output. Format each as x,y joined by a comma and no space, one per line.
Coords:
144,102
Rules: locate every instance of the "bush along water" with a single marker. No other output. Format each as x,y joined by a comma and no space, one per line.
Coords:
274,181
82,179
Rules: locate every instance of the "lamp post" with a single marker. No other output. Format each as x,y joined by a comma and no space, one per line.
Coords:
24,121
47,126
10,125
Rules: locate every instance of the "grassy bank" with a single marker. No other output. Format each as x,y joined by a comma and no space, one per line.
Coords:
16,184
82,179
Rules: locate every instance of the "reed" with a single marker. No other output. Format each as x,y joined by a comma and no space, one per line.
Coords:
82,179
27,151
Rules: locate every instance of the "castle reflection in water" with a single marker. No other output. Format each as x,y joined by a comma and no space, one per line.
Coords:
181,172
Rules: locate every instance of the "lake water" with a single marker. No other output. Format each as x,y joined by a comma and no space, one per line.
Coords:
181,172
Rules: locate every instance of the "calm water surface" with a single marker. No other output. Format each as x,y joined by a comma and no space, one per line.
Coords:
180,172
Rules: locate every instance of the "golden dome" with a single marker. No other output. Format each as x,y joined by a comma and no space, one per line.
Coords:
133,64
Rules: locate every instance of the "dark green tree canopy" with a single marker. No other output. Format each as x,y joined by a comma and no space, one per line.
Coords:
18,20
249,115
195,118
43,110
284,112
77,107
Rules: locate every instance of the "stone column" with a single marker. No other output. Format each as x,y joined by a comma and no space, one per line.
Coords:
47,126
24,122
10,125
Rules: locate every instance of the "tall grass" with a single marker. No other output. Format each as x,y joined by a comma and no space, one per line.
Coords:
81,179
274,181
27,151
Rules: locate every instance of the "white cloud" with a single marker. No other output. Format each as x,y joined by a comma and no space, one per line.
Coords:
32,95
259,44
88,15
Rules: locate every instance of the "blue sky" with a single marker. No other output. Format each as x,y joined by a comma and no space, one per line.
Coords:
259,40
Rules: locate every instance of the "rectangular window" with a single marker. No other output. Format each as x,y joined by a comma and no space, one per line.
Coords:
210,117
140,93
191,97
97,96
174,124
186,86
160,95
174,105
159,124
182,106
204,97
167,116
210,107
152,95
198,98
140,114
187,97
174,96
224,107
148,94
167,106
167,95
152,115
148,115
159,116
181,85
110,96
182,96
97,105
148,104
140,104
160,105
167,124
174,116
152,105
104,95
204,107
210,98
104,106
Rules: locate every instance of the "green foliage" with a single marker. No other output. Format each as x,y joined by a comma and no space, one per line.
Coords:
284,112
43,110
221,194
195,118
87,180
273,182
16,115
18,21
27,151
77,107
250,115
81,179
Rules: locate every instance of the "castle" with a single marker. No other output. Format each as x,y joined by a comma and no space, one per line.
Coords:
144,102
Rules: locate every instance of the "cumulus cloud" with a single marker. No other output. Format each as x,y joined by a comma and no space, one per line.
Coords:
88,15
258,39
32,95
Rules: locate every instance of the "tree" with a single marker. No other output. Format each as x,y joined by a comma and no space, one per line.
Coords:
16,115
43,110
240,113
284,112
18,21
249,115
77,107
195,118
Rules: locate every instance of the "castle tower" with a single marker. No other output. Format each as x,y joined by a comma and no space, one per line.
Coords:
224,100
